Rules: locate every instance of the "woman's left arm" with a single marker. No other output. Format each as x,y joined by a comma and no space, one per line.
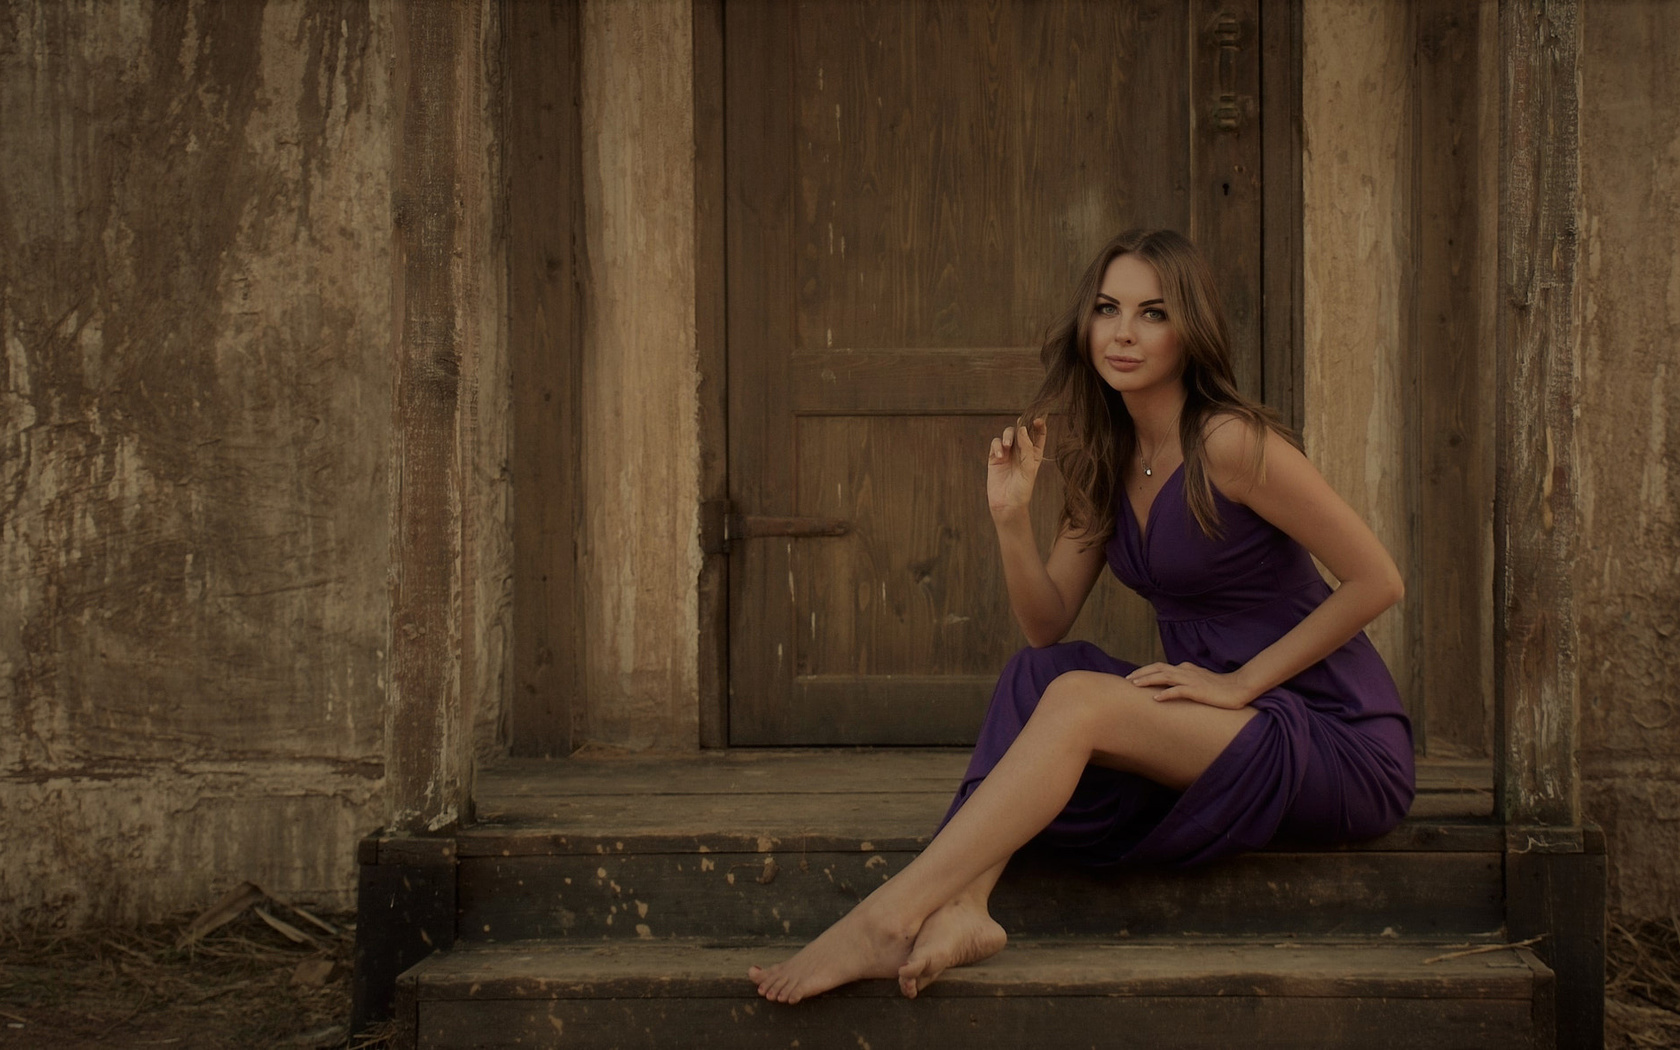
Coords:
1291,494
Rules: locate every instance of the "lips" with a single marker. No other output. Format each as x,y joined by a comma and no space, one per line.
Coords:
1124,364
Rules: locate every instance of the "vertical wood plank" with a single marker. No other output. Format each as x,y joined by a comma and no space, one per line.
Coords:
1560,896
641,559
545,334
1451,408
1280,146
759,122
710,325
1225,158
428,768
1535,486
1358,232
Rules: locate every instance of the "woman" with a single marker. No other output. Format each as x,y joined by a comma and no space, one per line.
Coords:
1273,714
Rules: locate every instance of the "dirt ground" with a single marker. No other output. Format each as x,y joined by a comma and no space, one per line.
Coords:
246,984
250,984
1642,984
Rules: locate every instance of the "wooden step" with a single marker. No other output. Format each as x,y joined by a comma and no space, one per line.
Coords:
1150,993
760,844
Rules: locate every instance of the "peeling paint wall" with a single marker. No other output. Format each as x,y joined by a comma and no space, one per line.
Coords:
641,441
1627,586
195,414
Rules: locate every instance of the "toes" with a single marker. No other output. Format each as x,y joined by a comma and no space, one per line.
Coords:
911,974
909,985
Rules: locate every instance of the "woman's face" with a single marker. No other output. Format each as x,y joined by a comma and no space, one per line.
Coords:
1133,345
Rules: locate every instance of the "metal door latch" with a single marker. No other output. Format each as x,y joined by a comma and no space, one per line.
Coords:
720,526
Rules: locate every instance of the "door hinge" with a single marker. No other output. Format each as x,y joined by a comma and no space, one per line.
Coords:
720,526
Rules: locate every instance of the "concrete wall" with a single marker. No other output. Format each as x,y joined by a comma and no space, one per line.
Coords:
195,426
1627,586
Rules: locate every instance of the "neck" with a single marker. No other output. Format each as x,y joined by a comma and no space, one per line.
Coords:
1155,414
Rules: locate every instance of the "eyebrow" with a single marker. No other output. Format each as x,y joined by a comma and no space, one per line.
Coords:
1146,302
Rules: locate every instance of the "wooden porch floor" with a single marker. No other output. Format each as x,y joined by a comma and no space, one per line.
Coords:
892,795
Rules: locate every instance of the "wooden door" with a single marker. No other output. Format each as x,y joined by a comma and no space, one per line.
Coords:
912,189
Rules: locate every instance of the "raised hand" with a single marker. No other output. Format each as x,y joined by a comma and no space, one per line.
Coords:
1190,682
1012,467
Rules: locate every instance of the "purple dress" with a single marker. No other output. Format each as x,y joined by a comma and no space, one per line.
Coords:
1328,758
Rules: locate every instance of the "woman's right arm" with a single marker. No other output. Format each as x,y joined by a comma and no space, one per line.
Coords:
1045,596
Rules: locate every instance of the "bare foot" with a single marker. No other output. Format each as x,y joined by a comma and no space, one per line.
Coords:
861,945
958,934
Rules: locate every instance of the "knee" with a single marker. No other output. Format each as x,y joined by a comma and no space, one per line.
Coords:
1037,667
1082,696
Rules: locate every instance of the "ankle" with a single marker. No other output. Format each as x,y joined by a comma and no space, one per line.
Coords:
884,920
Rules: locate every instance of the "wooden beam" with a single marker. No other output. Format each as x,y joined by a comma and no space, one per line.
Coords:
1450,384
1535,683
435,220
711,335
544,185
1282,381
1225,163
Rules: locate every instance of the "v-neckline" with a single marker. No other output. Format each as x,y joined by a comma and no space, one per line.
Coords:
1144,527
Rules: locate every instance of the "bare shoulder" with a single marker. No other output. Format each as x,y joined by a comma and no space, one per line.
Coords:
1242,455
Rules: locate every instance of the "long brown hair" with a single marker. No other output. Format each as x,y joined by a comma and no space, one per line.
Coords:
1097,434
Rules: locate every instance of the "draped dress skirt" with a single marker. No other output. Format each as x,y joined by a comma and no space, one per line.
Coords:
1327,759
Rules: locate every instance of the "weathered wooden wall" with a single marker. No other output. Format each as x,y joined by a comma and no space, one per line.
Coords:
1400,119
546,277
640,401
196,440
1357,243
1627,582
451,561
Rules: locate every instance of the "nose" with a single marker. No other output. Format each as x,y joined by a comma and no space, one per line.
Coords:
1123,333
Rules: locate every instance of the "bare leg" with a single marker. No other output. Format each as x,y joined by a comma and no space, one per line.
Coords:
1082,717
962,932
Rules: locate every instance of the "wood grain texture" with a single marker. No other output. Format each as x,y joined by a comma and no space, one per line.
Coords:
1035,969
544,188
912,189
405,910
1358,232
439,218
821,799
757,114
1561,896
1225,168
1535,542
641,438
1160,995
1449,657
1281,271
711,334
797,892
1170,1023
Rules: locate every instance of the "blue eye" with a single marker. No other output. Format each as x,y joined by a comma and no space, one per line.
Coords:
1154,314
1107,309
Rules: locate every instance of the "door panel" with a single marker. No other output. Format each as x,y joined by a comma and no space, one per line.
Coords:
912,191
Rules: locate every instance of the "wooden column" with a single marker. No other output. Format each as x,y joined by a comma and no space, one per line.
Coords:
438,241
710,332
545,267
1282,380
1535,682
1448,664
